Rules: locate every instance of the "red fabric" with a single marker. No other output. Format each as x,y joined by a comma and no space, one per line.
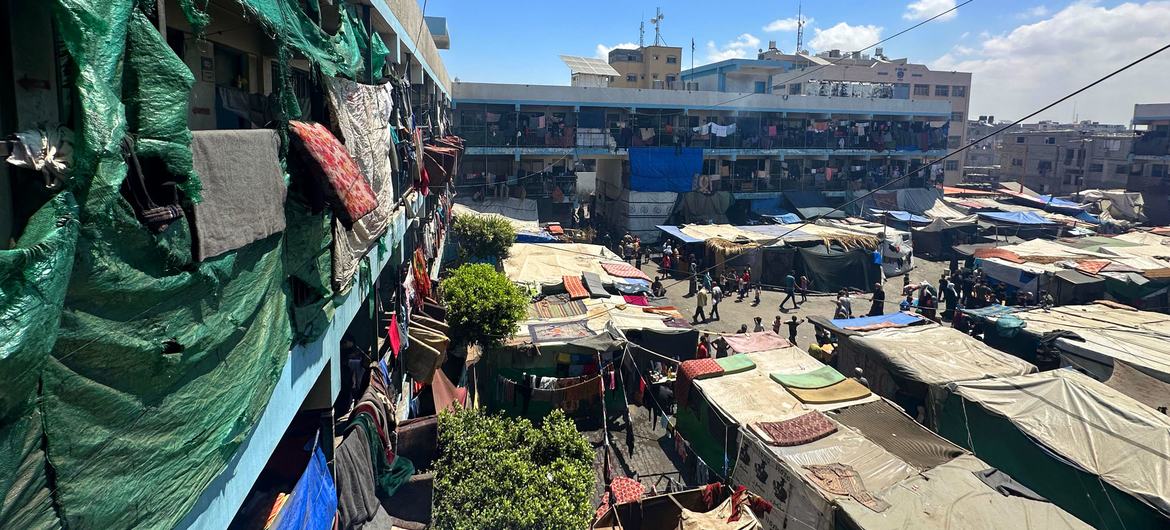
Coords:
555,229
692,370
575,288
1092,266
347,190
998,253
624,270
636,299
392,331
702,352
800,430
624,490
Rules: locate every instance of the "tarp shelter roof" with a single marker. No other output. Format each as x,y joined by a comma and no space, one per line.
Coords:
548,263
952,496
1016,218
952,190
728,232
891,320
938,355
1088,424
1017,188
938,224
810,204
897,215
520,213
673,231
772,209
1136,337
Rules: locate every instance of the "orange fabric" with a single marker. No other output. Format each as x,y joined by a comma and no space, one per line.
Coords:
998,253
575,288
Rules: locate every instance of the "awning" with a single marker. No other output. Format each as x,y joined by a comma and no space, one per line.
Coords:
905,217
811,204
1018,218
892,320
675,232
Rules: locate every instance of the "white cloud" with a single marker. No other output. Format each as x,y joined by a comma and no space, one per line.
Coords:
603,50
845,37
1034,12
1030,66
924,9
785,24
743,46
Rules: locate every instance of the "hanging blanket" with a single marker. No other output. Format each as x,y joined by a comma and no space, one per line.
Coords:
693,370
624,270
559,331
338,177
575,288
754,342
243,189
363,115
734,364
847,390
819,378
800,430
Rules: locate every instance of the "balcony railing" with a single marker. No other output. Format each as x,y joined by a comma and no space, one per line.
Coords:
1152,145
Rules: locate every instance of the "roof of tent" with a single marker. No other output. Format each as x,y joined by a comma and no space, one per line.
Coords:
1083,421
549,263
937,355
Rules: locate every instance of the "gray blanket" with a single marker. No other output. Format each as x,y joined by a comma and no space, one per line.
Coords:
356,500
243,189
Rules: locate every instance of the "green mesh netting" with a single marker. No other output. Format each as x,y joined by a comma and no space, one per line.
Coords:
160,366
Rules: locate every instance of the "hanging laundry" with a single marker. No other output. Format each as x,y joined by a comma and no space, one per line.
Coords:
647,133
771,130
718,130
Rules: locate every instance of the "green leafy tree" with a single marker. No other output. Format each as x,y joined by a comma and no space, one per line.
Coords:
495,472
483,236
482,304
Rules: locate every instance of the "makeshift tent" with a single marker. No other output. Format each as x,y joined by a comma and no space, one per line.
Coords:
939,237
696,207
1117,205
831,269
664,168
810,204
952,495
913,365
871,323
900,215
538,263
520,213
677,233
1072,287
1093,451
1015,218
685,510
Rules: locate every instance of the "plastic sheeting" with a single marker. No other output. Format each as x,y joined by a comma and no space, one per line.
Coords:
1017,218
1084,422
313,501
891,320
969,504
664,168
832,270
549,263
810,204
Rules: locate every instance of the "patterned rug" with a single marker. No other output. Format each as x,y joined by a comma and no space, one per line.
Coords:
559,331
690,371
558,306
624,270
575,287
842,479
800,430
344,186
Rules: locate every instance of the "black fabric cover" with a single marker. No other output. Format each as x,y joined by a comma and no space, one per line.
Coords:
831,270
778,262
354,475
1006,485
679,344
883,424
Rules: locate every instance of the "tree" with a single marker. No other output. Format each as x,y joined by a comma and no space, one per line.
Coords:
495,472
483,236
482,304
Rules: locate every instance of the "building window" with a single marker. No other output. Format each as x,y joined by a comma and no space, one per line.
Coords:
1121,169
959,91
794,89
956,116
1017,162
942,90
1050,140
1019,139
655,57
1158,170
632,78
654,76
670,59
951,165
953,142
921,90
1044,166
1096,168
1068,156
761,87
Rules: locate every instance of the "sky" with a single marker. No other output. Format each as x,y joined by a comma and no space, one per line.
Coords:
1023,54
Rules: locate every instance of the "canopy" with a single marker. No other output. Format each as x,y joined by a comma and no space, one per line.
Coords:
939,224
969,504
675,232
1018,218
892,320
548,263
934,355
728,232
810,204
1086,424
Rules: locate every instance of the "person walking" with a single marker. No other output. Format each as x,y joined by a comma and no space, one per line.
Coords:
759,325
700,303
844,305
789,291
716,297
879,301
950,296
805,285
693,268
792,325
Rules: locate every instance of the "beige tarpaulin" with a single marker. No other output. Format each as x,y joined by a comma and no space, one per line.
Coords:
950,496
540,263
777,474
728,232
1097,428
1139,338
929,354
520,213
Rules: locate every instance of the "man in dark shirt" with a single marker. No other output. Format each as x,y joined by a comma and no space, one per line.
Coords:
879,301
792,325
789,291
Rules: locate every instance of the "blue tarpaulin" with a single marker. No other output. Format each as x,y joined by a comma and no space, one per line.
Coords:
892,320
771,209
674,232
313,502
905,217
1019,218
539,237
993,311
1087,217
664,168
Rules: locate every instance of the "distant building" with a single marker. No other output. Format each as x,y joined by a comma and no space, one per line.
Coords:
844,75
1151,158
1063,162
647,67
982,162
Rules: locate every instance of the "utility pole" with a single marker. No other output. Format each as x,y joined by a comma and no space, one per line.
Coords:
799,27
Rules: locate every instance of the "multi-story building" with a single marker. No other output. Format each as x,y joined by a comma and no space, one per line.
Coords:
981,161
837,75
1151,159
177,374
647,67
543,138
1063,162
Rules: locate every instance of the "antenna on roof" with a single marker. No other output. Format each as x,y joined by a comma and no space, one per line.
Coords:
657,21
642,34
799,27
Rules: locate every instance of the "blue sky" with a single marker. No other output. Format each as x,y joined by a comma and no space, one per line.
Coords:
1022,53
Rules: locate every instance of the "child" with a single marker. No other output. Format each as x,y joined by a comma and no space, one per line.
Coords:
907,303
792,324
759,325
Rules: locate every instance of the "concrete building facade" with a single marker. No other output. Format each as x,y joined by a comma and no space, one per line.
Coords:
1150,173
843,75
656,67
1063,162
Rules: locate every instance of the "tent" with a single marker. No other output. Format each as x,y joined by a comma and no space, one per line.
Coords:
1095,452
810,204
538,263
1015,218
939,237
913,365
831,269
